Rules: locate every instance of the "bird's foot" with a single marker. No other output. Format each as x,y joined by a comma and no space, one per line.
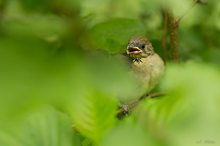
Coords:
125,108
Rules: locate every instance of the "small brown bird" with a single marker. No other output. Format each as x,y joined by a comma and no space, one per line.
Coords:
146,66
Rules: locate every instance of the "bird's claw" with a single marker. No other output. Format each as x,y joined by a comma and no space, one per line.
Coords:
125,108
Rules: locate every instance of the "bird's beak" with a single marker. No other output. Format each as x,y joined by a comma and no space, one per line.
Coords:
134,51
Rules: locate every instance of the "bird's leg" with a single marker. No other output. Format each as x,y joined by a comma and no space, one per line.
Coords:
125,108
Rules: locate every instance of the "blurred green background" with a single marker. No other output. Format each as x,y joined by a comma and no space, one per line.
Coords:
60,82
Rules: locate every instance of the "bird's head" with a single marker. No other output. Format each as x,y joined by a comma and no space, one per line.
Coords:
139,47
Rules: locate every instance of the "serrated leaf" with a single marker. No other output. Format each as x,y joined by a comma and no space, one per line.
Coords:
46,127
93,115
190,110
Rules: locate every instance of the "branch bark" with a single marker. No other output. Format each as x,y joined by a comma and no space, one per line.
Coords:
170,36
128,108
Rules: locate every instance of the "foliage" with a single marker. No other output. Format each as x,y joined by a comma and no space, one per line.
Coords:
60,81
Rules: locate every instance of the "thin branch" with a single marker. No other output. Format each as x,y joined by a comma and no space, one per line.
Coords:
188,10
171,28
126,109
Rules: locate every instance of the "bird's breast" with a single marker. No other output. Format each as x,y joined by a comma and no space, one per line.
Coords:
148,72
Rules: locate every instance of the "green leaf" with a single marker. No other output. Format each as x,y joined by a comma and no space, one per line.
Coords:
127,134
93,115
190,110
45,127
113,35
46,5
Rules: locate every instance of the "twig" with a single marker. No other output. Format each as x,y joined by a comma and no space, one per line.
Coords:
128,108
171,26
190,8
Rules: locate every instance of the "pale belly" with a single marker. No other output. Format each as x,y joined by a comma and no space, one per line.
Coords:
148,73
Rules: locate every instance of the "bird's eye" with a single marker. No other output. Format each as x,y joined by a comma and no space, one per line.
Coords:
142,46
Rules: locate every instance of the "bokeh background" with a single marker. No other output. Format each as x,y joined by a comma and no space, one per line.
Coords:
60,81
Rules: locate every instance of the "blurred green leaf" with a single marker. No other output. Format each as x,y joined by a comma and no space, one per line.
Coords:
110,9
47,56
114,34
93,114
110,75
32,74
45,127
47,5
127,134
33,4
189,110
178,7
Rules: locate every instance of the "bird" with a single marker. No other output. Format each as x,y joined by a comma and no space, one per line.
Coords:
146,66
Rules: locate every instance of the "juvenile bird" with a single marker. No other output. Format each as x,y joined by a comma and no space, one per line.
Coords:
146,66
